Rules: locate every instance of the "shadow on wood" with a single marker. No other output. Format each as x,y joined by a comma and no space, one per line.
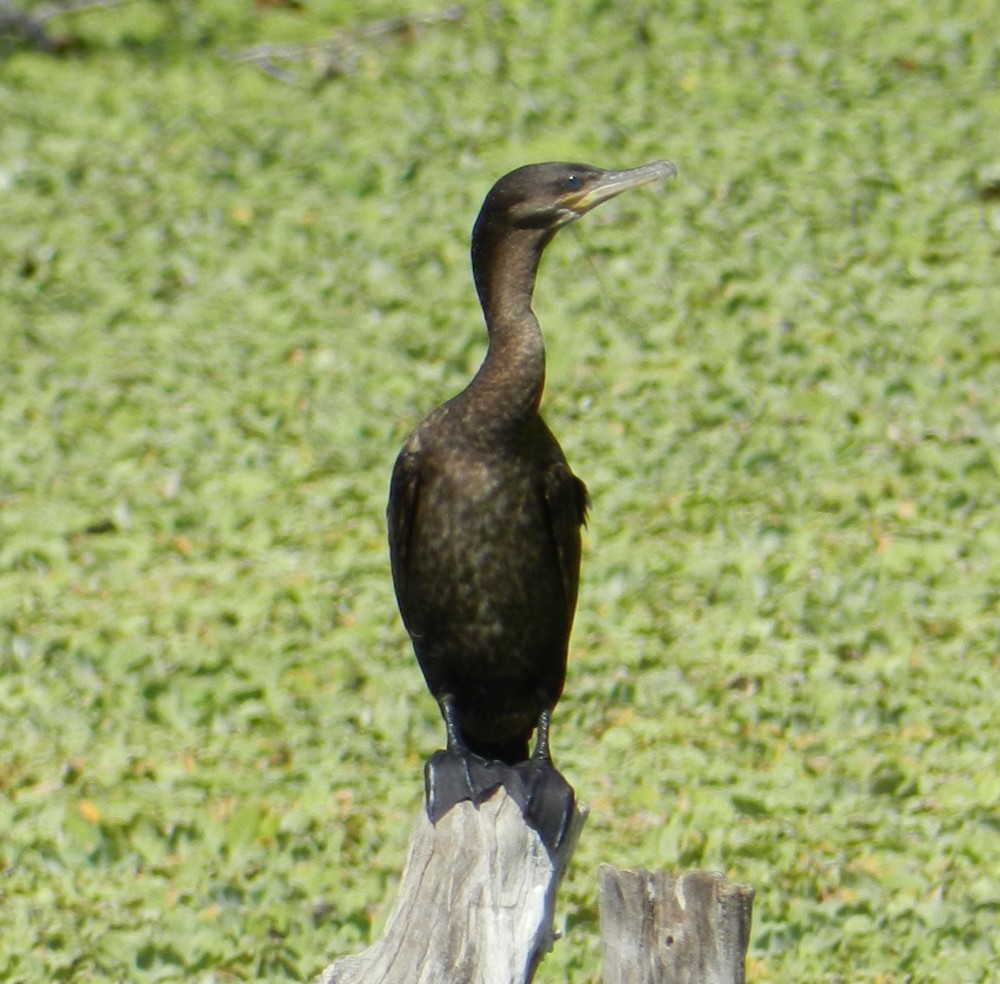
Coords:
475,902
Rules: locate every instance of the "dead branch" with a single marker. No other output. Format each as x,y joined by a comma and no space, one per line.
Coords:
30,28
339,54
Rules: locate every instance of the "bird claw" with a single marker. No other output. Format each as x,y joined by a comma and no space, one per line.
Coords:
549,801
453,776
545,798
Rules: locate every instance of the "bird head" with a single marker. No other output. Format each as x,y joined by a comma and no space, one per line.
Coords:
549,196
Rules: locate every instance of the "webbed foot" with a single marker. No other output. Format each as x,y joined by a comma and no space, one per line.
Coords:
548,801
454,775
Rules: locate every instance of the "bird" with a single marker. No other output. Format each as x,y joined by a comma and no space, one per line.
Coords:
484,514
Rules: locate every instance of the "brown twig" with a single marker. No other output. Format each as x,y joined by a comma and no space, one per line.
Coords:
30,28
56,9
339,54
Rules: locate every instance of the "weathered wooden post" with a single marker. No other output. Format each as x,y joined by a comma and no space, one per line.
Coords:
476,903
657,929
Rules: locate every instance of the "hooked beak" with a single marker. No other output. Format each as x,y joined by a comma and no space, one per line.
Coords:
613,183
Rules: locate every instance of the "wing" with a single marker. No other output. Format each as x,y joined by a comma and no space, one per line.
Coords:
400,516
567,501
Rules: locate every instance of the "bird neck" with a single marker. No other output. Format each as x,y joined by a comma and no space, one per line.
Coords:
507,389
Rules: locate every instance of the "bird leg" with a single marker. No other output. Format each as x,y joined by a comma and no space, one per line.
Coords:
549,799
542,752
455,774
455,743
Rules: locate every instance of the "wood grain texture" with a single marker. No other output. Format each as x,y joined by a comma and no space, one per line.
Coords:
475,902
658,929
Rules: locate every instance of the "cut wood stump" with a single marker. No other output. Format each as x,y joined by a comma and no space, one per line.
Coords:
657,929
475,902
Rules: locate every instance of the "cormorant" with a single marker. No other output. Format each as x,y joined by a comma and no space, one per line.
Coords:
484,513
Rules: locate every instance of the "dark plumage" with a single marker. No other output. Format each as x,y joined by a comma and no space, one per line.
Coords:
484,513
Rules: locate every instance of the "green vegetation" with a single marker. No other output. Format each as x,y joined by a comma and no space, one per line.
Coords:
224,300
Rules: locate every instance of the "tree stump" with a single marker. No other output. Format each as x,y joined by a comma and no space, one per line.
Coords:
656,929
475,902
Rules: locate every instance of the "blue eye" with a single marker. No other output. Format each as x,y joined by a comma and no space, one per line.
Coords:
573,182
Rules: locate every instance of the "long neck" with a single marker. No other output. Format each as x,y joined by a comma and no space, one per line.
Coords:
508,387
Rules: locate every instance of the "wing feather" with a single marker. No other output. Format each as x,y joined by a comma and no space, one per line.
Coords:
567,501
401,511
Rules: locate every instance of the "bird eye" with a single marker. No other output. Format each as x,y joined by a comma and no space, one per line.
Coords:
573,182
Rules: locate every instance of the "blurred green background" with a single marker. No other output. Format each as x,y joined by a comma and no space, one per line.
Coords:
228,289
